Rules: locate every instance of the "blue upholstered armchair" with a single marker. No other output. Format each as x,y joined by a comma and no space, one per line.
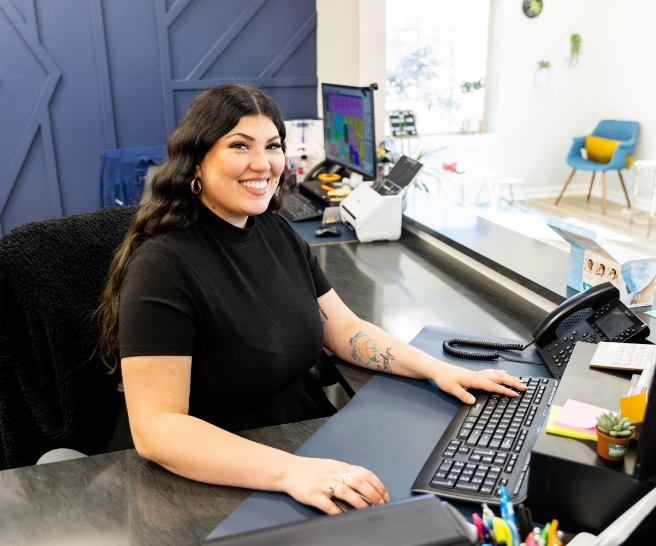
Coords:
624,131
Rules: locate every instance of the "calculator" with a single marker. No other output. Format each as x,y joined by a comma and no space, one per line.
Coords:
624,356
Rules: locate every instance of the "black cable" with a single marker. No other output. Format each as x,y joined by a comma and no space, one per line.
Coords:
449,349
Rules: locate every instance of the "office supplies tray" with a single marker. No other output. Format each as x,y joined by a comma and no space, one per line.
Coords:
487,445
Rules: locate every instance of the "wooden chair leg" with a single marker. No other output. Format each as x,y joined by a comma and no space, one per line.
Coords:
603,192
628,203
591,182
565,186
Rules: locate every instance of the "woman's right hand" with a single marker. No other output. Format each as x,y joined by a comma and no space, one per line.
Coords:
310,481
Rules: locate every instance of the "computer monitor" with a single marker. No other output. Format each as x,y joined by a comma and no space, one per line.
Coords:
348,127
645,465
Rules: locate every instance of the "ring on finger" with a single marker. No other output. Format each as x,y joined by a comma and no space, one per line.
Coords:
343,476
332,488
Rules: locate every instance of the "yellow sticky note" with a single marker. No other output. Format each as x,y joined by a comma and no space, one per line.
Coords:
634,407
553,428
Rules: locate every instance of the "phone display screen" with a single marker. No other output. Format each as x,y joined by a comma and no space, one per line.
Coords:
614,323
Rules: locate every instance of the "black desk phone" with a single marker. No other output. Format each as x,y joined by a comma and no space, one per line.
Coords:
591,316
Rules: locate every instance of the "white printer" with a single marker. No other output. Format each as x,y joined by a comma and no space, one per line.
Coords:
374,210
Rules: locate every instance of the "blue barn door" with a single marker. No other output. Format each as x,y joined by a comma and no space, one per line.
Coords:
80,76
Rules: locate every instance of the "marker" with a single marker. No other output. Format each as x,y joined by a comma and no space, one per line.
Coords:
502,532
553,532
545,532
478,523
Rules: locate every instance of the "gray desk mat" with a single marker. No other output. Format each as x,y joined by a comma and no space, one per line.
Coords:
390,427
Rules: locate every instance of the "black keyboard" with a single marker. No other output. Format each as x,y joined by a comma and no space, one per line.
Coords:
297,208
488,445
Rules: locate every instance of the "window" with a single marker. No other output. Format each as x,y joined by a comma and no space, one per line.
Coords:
436,62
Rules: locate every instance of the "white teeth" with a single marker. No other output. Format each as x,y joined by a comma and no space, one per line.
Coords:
256,185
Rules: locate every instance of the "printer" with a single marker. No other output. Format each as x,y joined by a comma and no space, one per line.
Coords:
374,210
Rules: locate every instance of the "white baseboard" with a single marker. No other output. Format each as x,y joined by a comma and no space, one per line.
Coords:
613,194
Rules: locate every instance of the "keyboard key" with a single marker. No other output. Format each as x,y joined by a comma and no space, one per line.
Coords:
478,406
486,490
469,487
463,434
446,466
449,454
473,438
447,484
506,445
484,440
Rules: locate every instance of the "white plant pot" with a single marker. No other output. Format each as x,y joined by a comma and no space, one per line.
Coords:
541,77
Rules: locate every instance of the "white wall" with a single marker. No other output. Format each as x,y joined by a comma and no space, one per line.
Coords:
351,48
530,128
627,84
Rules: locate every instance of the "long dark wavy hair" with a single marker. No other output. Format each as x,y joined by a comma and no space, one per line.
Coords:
172,205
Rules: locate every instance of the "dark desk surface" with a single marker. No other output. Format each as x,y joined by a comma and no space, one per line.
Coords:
119,498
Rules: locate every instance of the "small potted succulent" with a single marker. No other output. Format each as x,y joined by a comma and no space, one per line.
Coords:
614,433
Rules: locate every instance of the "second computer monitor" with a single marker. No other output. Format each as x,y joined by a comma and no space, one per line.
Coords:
348,118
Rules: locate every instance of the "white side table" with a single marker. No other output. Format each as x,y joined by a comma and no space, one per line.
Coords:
494,184
644,165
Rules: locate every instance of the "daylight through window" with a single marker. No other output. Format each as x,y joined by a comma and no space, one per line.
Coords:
436,62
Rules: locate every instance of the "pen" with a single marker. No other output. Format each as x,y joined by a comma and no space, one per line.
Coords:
488,515
508,513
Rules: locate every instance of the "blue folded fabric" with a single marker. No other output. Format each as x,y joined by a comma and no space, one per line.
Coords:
122,173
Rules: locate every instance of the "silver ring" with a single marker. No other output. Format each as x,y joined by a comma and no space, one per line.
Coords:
332,488
343,477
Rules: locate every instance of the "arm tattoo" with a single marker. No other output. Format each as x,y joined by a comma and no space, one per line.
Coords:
363,349
385,367
324,317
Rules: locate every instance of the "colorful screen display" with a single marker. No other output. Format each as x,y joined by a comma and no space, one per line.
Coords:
348,117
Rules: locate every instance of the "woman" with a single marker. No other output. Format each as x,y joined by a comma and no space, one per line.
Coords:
209,275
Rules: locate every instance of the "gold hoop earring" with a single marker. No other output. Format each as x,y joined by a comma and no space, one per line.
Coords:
196,186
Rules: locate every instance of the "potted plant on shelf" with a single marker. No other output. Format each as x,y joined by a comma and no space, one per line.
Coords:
614,433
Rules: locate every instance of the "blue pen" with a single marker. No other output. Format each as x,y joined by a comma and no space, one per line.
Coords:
508,513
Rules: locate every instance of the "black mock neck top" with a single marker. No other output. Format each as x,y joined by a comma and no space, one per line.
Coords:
243,304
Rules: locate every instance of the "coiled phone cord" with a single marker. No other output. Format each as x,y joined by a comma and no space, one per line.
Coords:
449,348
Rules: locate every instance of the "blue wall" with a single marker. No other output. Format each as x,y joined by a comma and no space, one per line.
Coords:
80,76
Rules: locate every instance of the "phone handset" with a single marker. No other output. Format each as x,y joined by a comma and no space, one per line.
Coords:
594,297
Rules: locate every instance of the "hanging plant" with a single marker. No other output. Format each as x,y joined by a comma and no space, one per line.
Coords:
574,47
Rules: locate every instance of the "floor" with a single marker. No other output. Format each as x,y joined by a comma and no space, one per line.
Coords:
613,227
613,224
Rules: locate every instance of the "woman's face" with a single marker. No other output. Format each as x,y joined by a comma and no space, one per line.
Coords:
240,172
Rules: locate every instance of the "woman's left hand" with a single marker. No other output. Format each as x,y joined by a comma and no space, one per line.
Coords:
454,380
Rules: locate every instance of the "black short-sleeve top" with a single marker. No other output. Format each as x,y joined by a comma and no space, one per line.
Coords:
243,304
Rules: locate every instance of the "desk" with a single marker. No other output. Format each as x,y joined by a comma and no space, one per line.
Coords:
118,498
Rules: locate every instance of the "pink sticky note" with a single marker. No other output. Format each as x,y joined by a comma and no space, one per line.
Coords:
579,416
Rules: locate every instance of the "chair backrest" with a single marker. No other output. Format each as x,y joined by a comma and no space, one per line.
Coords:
54,391
617,129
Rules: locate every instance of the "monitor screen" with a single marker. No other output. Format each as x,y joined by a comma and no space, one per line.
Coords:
348,127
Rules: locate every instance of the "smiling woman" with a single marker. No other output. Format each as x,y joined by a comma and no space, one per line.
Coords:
241,171
216,310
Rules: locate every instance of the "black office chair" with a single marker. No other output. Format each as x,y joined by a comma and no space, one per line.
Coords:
54,390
